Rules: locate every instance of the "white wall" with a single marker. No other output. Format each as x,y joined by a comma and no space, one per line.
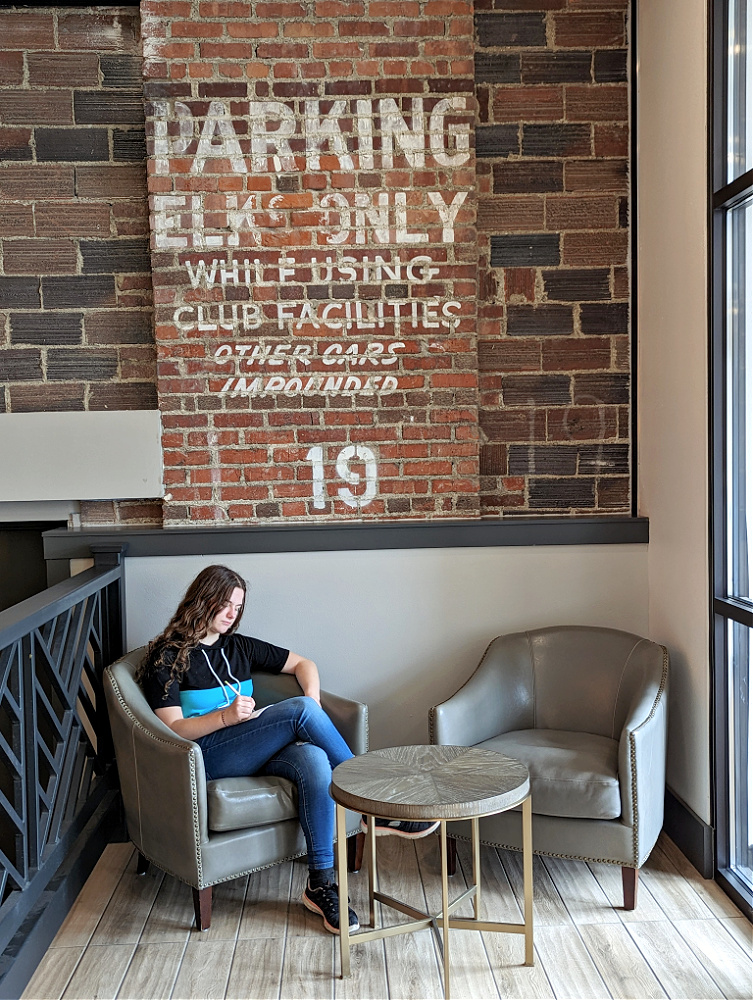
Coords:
402,629
672,369
88,455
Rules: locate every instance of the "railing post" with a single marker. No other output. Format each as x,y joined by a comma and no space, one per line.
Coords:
108,556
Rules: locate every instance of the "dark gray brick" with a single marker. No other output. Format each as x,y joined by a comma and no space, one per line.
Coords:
610,66
120,70
505,30
556,140
560,494
124,396
539,321
493,460
604,318
528,177
101,107
604,459
536,390
577,285
542,460
623,212
20,365
556,67
497,67
71,144
525,250
79,292
115,256
45,328
85,364
496,140
128,144
601,388
19,293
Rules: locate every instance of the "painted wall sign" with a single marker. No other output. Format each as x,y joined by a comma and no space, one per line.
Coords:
315,270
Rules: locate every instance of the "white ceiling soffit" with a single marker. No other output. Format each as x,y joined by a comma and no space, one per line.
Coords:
97,455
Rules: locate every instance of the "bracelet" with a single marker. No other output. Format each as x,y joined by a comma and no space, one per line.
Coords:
222,716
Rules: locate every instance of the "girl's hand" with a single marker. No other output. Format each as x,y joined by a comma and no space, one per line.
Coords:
239,710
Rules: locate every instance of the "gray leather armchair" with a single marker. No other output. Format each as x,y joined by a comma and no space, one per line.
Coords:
586,710
200,831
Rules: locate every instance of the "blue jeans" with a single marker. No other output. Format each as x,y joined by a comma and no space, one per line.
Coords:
293,739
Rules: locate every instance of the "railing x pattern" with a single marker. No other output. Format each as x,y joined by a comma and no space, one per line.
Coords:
55,750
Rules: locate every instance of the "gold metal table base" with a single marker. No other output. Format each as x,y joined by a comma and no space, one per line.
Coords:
443,919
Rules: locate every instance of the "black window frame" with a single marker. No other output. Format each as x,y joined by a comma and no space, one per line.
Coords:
725,608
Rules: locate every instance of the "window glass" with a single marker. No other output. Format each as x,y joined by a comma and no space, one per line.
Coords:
740,773
740,397
740,89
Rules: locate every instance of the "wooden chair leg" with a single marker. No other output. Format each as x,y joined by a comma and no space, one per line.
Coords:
452,856
629,887
142,864
202,907
355,851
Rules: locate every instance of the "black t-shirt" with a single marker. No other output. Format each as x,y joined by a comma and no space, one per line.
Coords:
215,675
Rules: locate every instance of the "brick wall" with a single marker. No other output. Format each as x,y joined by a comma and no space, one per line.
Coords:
314,257
76,328
552,162
517,403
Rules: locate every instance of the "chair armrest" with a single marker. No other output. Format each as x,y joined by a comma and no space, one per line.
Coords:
351,719
496,698
642,763
162,782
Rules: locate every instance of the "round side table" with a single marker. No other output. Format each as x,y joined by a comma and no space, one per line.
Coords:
442,783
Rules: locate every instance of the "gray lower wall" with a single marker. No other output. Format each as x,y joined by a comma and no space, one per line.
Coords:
402,629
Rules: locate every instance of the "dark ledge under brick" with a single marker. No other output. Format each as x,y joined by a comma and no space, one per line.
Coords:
61,543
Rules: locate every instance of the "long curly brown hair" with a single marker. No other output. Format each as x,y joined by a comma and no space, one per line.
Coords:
206,597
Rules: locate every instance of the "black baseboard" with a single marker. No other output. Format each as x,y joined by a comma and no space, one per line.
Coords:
22,956
694,837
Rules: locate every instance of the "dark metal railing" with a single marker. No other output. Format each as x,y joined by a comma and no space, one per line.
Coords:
55,748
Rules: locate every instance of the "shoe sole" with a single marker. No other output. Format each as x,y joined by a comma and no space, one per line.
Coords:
387,832
311,905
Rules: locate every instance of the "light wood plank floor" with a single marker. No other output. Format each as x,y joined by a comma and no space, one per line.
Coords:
131,936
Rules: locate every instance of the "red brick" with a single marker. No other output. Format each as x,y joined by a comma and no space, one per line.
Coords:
27,30
16,220
596,102
15,144
11,68
36,181
98,31
72,219
596,175
595,249
39,256
579,212
611,140
588,30
111,182
522,104
36,107
63,69
509,213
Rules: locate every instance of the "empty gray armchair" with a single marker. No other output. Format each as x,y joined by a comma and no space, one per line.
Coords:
200,831
586,710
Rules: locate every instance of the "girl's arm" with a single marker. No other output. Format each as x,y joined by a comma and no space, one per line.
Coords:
239,710
306,674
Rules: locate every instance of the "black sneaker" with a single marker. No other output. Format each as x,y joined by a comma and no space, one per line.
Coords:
325,900
400,828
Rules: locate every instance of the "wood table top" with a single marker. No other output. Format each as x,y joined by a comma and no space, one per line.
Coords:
430,782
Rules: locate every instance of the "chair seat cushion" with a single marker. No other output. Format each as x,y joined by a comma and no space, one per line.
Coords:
572,774
238,803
